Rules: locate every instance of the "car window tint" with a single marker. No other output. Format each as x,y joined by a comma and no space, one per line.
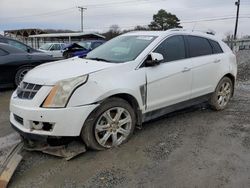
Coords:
216,47
198,46
17,45
172,49
2,40
62,46
2,52
96,44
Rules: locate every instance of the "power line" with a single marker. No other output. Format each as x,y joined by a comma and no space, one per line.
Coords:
187,21
41,14
93,6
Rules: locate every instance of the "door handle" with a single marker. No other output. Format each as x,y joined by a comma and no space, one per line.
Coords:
186,69
217,61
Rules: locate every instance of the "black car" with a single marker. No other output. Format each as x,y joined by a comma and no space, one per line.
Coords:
15,63
18,44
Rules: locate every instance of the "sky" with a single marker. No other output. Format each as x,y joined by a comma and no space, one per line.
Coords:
101,14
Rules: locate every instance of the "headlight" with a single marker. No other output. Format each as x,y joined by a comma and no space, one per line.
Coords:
61,92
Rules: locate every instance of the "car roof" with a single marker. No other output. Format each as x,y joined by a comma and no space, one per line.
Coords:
10,49
174,31
94,40
50,43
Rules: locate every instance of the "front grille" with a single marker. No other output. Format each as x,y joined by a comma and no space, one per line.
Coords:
27,90
18,119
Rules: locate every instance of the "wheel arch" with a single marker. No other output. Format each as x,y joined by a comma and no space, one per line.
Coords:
24,66
232,78
19,68
133,102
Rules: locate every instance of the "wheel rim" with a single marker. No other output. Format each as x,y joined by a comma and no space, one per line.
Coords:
21,75
224,94
113,127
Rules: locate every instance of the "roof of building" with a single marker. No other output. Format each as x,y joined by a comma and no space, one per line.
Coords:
82,34
24,32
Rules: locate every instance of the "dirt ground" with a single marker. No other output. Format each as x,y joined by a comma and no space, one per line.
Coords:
195,147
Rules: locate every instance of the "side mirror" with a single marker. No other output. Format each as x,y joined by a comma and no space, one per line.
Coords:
28,50
154,59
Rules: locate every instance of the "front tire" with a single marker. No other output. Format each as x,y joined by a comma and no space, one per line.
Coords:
110,125
20,74
222,94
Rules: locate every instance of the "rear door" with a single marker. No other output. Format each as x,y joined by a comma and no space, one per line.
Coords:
170,82
55,50
205,64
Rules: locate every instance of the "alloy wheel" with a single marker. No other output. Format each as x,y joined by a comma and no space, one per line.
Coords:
113,127
224,94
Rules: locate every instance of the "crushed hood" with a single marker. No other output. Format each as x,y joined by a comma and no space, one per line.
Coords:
50,73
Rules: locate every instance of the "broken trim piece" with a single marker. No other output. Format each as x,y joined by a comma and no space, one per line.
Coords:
10,164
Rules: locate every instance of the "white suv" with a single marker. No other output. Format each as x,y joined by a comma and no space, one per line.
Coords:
131,79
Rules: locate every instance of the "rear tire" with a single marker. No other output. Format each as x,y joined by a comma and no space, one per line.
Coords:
20,74
110,125
222,94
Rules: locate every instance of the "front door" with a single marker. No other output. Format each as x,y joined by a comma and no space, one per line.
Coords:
169,82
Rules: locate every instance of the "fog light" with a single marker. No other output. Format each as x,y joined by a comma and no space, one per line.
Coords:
37,125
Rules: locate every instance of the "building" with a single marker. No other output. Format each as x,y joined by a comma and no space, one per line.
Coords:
23,34
239,44
38,37
38,40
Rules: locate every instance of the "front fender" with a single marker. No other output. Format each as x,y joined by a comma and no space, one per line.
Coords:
92,92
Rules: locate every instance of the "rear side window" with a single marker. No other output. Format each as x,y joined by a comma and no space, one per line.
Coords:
216,47
172,49
3,53
96,44
55,47
17,45
198,46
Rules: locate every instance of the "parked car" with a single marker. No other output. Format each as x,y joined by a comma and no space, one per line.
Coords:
129,80
15,63
54,49
17,44
81,49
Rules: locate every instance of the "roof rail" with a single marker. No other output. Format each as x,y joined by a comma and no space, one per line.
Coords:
176,29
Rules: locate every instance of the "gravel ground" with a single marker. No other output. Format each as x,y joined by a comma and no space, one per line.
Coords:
195,147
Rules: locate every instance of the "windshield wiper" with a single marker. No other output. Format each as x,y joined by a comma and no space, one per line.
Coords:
99,59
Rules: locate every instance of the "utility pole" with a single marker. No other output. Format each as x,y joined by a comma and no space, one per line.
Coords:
81,9
237,18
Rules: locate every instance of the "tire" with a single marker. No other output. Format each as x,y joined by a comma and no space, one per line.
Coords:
104,128
222,94
20,74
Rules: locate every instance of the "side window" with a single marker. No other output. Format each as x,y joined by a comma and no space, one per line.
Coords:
17,45
198,46
3,53
55,47
62,46
172,49
216,47
96,44
2,40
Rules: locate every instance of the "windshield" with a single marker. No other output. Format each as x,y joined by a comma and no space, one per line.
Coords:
85,45
45,47
121,49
